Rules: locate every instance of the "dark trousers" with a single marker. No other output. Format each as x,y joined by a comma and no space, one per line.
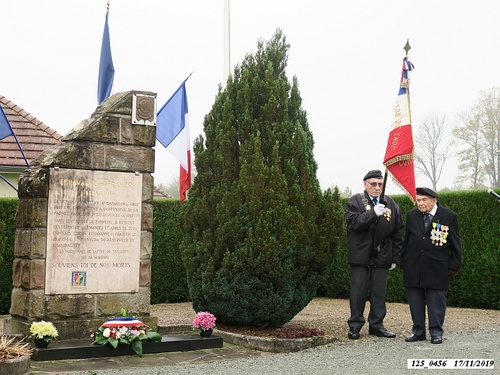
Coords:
436,309
372,282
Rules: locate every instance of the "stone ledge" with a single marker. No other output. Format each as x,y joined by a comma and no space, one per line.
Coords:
274,345
79,349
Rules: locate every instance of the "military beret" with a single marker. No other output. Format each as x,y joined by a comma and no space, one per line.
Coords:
373,174
426,191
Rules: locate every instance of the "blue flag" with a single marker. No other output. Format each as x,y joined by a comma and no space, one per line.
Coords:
106,68
170,119
5,128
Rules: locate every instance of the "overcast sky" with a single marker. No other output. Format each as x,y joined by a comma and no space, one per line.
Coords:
346,55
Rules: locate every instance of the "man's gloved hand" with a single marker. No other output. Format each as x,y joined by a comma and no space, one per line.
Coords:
379,209
393,265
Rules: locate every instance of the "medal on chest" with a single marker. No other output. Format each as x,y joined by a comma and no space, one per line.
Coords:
438,234
367,206
387,213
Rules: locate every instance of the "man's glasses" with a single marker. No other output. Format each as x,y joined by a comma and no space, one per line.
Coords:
373,184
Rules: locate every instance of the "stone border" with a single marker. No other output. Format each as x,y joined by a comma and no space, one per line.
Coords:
273,345
15,366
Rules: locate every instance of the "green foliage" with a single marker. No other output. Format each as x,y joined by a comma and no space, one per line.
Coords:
125,335
7,238
478,284
253,245
168,274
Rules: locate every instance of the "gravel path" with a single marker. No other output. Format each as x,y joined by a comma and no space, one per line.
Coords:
330,315
469,334
379,356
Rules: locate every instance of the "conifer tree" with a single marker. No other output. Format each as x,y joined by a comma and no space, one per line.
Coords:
253,245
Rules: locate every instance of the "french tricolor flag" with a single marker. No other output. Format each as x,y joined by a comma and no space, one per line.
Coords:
399,154
172,131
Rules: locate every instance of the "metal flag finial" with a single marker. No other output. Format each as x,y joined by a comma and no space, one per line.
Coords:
407,46
107,7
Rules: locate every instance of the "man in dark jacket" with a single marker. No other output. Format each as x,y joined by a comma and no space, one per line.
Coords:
374,239
431,253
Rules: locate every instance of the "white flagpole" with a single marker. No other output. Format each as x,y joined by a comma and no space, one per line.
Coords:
227,41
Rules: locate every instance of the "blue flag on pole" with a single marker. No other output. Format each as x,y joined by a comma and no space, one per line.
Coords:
106,68
170,119
5,128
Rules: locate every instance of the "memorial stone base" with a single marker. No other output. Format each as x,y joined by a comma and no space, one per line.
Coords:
84,223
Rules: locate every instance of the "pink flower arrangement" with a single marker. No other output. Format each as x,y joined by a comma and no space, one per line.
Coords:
204,321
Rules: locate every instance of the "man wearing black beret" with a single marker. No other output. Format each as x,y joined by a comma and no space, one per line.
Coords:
374,240
431,254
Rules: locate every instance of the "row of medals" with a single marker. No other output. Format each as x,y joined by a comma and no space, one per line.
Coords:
438,233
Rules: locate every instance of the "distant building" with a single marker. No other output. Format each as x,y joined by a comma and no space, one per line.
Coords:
34,137
158,193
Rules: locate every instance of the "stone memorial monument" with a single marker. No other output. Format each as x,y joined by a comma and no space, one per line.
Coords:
84,223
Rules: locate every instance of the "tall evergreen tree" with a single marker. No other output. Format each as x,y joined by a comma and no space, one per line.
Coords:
252,244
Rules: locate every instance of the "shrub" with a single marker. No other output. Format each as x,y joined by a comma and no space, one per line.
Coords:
253,246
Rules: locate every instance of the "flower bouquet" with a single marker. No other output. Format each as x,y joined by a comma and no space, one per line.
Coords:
44,331
204,321
125,331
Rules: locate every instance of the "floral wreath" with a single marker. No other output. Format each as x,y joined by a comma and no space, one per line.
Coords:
125,331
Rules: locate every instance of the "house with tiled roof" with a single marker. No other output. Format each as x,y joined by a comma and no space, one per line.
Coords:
159,193
33,136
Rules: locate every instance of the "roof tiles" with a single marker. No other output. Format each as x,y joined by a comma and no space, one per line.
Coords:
33,135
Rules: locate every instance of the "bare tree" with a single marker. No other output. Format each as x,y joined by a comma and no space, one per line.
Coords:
470,165
489,106
478,130
434,147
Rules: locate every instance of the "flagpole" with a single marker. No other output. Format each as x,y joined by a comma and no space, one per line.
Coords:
382,195
227,40
107,7
407,48
20,149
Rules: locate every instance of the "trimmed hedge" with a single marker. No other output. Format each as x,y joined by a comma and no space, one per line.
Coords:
168,274
477,286
8,208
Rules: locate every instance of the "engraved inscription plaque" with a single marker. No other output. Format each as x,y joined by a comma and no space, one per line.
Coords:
93,232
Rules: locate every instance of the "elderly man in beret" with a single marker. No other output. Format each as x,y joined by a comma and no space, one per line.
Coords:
431,254
374,240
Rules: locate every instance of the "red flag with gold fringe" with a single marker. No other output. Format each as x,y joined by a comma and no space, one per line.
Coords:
399,155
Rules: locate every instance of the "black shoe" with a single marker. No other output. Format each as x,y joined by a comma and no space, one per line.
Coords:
381,332
413,338
353,333
436,340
